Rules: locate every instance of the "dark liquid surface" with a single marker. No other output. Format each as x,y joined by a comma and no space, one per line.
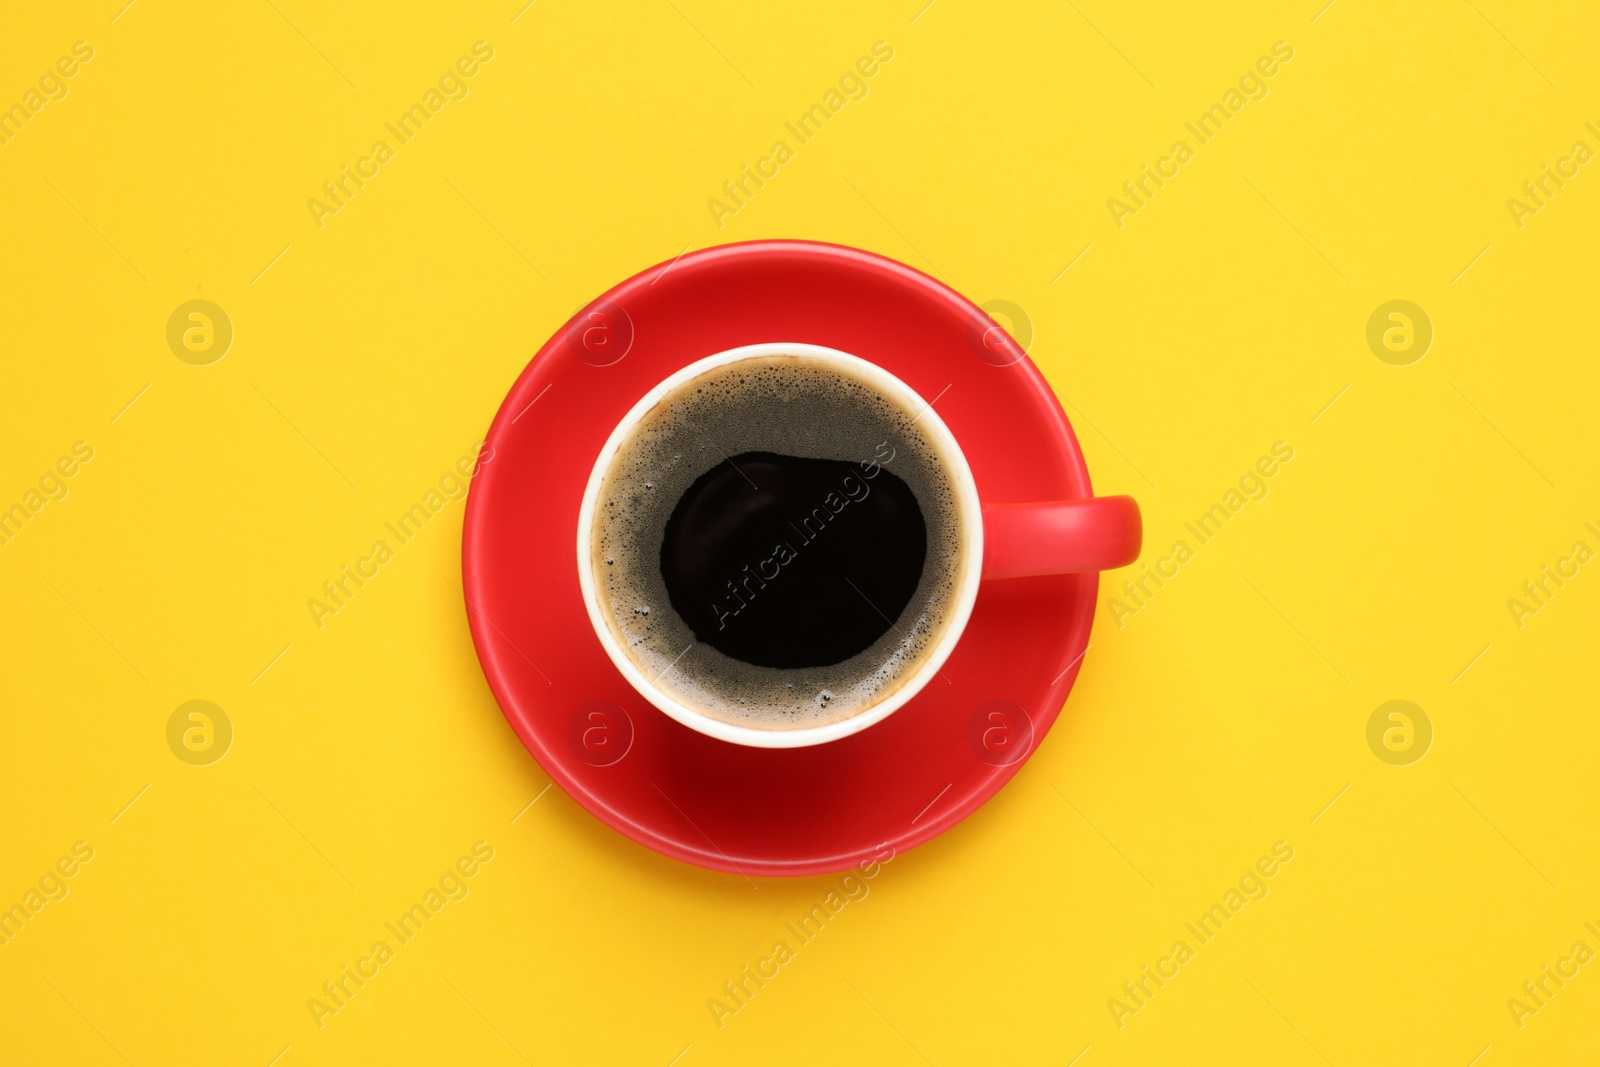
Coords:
788,562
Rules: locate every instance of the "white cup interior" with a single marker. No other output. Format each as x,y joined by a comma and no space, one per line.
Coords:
970,533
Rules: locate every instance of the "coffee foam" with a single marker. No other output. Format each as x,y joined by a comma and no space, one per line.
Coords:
792,405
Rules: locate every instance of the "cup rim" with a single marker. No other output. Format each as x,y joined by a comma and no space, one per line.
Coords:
964,486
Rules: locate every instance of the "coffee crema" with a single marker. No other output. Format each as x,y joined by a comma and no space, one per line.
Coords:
777,543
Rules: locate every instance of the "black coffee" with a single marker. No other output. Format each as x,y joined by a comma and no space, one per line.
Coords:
779,543
784,561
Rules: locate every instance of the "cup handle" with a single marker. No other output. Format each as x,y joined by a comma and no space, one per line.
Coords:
1060,537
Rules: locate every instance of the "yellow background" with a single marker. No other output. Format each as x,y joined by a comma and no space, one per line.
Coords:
1223,317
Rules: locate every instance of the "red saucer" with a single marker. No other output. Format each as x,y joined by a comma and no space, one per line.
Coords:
768,811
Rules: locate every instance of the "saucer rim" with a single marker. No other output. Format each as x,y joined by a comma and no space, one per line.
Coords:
1078,622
